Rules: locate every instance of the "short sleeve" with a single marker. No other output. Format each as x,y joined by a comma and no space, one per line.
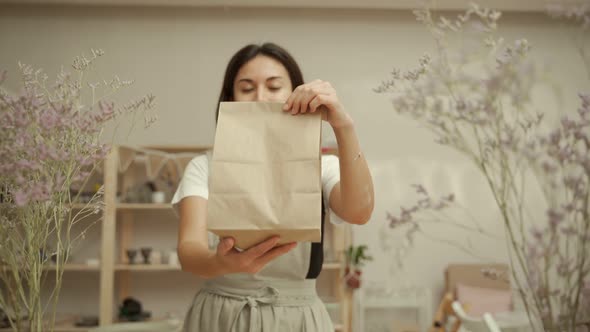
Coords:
330,177
195,180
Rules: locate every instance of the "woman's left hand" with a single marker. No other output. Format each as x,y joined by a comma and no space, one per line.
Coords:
318,95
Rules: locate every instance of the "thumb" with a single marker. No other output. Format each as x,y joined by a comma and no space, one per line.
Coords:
225,246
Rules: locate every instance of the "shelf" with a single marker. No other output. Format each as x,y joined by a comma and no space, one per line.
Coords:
76,267
72,329
59,329
75,206
329,304
146,267
166,267
504,5
144,206
332,266
79,206
181,148
68,267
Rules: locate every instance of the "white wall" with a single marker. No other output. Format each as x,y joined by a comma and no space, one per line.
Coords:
179,55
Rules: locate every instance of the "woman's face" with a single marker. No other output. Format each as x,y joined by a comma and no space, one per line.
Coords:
262,79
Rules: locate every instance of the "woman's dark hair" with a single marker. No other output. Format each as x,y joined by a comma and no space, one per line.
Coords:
248,53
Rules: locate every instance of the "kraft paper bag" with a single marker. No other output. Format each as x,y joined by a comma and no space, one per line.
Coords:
265,175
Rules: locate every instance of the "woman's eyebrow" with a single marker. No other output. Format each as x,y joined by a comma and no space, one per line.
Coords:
246,80
274,78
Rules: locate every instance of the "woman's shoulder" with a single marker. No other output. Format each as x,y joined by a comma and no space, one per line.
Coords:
199,164
200,159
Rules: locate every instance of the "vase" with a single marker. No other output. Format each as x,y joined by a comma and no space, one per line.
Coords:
353,280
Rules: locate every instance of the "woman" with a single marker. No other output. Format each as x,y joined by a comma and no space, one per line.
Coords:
269,287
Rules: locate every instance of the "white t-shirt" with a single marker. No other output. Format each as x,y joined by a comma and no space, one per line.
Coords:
195,181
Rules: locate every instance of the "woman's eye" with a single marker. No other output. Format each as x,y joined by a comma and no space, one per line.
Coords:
273,88
247,90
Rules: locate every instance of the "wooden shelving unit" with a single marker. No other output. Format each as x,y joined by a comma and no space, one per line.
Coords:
70,267
118,229
146,267
58,329
143,206
77,267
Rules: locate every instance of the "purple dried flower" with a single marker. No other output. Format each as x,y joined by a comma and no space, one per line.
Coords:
47,152
581,136
537,233
393,220
563,267
49,119
555,137
563,154
420,189
406,214
555,218
59,180
569,208
440,205
107,109
424,203
568,124
28,165
20,198
548,167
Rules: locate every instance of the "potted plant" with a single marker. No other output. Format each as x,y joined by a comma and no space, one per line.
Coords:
356,257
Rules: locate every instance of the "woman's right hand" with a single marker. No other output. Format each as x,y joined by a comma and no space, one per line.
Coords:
253,259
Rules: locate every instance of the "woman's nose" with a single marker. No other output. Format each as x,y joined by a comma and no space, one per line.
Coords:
262,95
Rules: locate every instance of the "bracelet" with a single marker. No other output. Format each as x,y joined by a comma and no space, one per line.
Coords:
357,156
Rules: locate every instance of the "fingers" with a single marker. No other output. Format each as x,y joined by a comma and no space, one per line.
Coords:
225,246
317,102
299,100
261,248
295,96
321,103
274,253
302,96
255,258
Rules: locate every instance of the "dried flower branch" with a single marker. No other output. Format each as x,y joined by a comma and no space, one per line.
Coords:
475,95
50,142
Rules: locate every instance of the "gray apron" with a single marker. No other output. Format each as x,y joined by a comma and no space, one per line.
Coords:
277,299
